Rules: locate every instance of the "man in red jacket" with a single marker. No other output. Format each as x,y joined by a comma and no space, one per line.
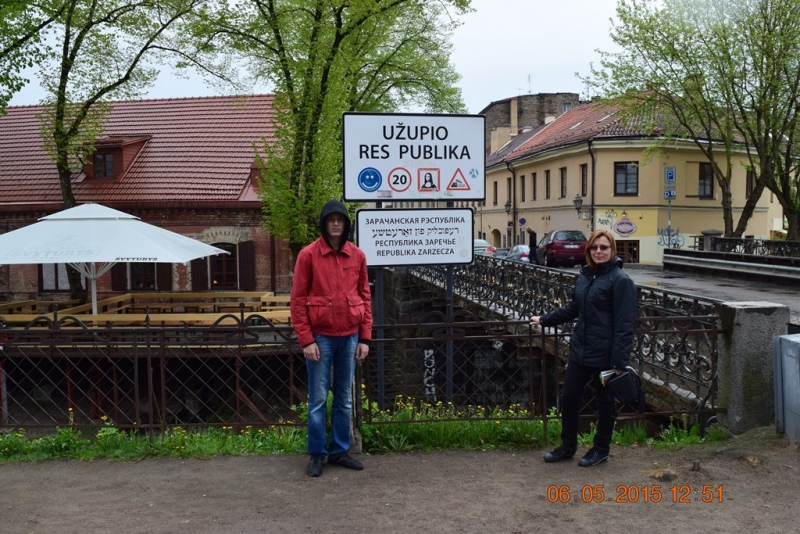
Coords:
332,318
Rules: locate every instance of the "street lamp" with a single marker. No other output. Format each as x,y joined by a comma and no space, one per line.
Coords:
508,206
578,203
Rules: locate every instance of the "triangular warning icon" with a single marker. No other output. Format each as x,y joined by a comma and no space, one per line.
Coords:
458,182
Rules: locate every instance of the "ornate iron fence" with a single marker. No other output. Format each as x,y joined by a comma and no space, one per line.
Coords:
676,336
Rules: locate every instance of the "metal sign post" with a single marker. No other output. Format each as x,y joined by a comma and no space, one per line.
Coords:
415,158
669,194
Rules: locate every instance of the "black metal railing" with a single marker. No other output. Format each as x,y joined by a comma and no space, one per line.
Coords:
519,290
757,247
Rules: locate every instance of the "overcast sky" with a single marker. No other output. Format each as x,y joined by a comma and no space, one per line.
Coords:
504,48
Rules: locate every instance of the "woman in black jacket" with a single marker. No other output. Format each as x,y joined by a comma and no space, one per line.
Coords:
604,302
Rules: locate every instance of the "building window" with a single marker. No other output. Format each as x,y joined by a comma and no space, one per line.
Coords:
705,183
584,179
143,276
508,189
104,165
626,178
235,270
563,171
547,184
566,106
533,185
53,277
494,193
522,188
223,268
749,184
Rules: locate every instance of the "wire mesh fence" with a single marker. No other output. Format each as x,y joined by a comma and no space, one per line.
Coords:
60,373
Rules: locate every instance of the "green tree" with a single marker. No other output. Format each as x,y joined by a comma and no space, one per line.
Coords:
103,50
325,57
23,24
724,73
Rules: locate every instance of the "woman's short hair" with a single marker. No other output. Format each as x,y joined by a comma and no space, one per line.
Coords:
595,235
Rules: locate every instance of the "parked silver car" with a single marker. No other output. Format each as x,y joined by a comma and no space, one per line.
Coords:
483,248
501,253
520,253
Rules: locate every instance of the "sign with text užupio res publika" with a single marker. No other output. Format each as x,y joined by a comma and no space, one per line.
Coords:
416,236
413,157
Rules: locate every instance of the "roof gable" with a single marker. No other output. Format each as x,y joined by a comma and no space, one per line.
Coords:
192,150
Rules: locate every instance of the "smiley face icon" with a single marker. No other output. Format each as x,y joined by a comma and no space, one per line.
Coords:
369,179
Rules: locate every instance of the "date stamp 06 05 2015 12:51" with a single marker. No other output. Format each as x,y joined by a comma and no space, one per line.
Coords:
649,493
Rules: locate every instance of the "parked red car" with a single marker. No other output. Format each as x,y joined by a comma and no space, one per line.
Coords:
562,247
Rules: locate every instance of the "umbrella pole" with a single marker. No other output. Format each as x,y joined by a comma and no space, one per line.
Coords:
93,278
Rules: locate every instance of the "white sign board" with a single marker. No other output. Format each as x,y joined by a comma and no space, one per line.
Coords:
415,236
408,157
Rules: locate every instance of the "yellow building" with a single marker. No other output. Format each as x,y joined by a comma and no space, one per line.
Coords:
586,157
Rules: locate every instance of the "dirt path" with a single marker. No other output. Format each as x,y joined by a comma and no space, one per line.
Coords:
758,476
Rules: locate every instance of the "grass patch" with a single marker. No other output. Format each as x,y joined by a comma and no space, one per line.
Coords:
425,427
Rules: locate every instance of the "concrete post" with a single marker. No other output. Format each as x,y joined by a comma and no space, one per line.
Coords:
746,372
707,236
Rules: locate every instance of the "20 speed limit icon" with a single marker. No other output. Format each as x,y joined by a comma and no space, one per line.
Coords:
399,179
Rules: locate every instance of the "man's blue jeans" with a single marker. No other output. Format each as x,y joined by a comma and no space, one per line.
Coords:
338,352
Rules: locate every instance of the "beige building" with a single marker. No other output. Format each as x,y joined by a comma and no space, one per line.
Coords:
585,154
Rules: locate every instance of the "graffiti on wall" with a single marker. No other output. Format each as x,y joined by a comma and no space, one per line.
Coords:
607,219
428,376
670,238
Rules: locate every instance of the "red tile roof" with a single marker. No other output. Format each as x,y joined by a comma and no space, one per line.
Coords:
596,120
579,124
195,150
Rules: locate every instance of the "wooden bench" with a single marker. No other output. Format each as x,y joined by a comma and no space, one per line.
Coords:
110,305
273,302
19,306
199,301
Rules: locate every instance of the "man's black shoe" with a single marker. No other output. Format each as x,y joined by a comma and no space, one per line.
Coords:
558,454
345,460
314,468
593,457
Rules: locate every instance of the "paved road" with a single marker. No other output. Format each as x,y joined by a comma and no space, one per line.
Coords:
721,288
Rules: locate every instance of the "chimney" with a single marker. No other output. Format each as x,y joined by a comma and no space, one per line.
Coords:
499,137
513,112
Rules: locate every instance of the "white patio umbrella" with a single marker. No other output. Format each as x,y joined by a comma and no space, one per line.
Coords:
92,238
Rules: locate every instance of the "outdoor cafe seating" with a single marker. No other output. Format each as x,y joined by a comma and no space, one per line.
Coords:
168,309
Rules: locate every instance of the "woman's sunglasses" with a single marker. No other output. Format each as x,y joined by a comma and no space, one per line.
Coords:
600,247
